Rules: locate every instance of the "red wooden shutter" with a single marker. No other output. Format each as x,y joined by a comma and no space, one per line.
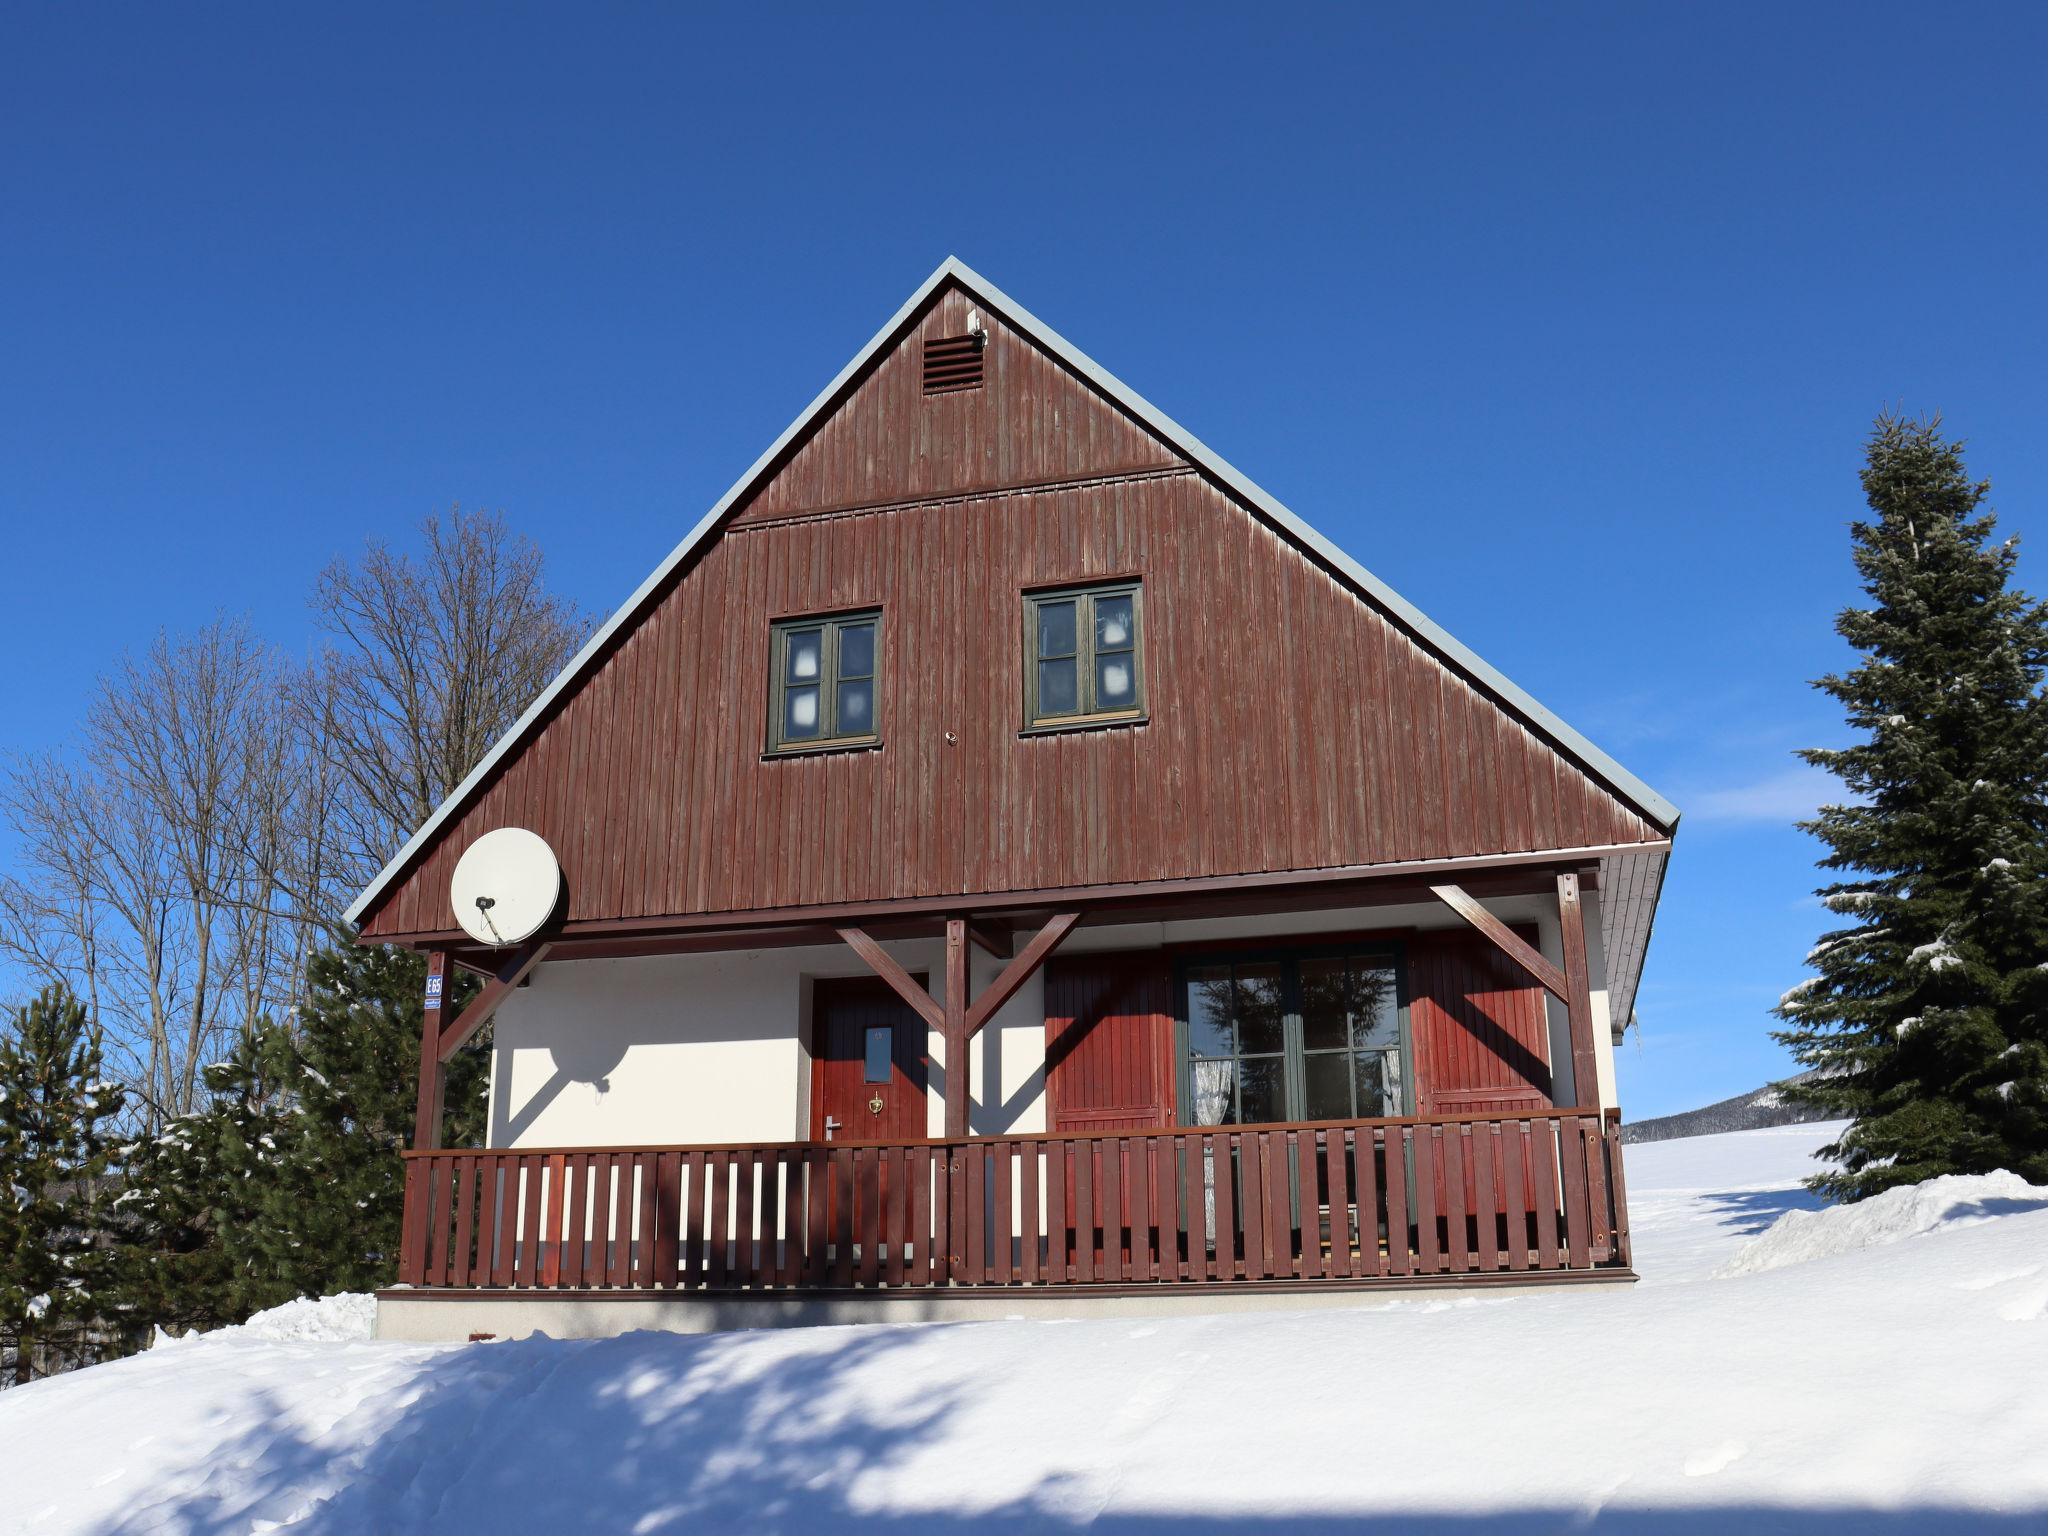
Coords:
1479,1025
1109,1062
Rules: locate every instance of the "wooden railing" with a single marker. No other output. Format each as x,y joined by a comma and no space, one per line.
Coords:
1328,1202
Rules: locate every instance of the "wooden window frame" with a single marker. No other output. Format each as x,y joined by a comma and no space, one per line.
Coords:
830,624
1084,595
1289,957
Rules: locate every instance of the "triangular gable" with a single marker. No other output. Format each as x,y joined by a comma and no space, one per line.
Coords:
1153,439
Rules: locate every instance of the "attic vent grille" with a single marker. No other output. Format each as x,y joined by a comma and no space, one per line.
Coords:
951,363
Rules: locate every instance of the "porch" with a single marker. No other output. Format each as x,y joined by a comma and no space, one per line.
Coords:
1103,1142
1458,1201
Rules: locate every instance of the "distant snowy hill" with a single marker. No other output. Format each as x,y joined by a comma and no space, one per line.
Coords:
1782,1368
1754,1110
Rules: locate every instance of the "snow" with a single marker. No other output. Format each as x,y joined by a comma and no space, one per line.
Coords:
1958,1200
342,1319
1938,955
1862,1387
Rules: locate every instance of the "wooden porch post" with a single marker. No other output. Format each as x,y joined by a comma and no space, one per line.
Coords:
1585,1061
426,1125
1578,986
958,1043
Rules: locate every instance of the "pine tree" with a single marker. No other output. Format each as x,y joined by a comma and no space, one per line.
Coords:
53,1185
289,1182
191,1190
332,1191
1929,1016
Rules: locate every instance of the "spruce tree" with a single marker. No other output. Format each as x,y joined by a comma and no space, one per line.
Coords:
1929,1017
54,1110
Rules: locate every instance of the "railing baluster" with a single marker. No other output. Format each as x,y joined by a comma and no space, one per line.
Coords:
1543,1192
1056,1243
1394,1163
1027,1209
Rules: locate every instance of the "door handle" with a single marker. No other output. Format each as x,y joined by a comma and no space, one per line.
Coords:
831,1125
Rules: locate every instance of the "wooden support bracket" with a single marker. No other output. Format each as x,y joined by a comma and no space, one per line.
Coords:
510,976
900,981
1510,943
997,939
1019,970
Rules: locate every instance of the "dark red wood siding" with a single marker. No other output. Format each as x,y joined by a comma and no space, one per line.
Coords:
1480,1027
1293,725
1480,1032
1031,421
1109,1045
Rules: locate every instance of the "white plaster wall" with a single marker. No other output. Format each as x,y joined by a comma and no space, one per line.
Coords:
712,1048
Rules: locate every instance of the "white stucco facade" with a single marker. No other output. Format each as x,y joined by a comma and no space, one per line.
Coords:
714,1048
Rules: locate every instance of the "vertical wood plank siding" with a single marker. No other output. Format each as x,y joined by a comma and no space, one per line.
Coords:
1308,1204
1302,731
1293,726
1030,422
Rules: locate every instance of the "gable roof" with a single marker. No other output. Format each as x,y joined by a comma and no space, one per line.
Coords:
1651,805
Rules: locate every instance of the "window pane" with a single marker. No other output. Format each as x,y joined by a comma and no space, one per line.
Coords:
800,713
1056,687
1328,1080
1378,1075
1260,1026
1116,683
1210,1032
857,708
1056,628
803,653
1210,1087
875,1055
857,650
1325,1005
1113,626
1261,1090
1376,1009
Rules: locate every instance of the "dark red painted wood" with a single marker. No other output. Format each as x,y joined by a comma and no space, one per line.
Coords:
648,777
1125,1209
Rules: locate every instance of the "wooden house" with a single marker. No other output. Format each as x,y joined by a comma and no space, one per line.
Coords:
1008,860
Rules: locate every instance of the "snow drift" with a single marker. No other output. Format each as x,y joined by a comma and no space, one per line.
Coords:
1913,1210
341,1319
1890,1388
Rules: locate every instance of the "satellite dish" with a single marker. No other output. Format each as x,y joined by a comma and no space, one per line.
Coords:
506,883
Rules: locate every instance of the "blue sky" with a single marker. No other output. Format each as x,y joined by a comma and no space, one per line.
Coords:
1566,320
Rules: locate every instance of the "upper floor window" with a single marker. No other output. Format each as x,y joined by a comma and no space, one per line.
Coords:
1084,656
823,683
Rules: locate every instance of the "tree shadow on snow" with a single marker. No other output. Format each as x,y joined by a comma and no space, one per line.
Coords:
1750,1211
659,1433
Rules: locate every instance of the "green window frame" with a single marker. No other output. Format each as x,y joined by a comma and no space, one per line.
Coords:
1084,656
824,682
1269,1036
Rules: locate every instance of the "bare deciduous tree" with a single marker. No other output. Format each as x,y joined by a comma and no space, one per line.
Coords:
428,662
178,868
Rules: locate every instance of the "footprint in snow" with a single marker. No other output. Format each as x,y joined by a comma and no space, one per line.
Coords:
1998,1277
1706,1463
2029,1306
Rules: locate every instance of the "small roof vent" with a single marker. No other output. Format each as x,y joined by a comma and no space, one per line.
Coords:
954,362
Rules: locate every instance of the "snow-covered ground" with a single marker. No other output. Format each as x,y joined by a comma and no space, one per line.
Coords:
1889,1372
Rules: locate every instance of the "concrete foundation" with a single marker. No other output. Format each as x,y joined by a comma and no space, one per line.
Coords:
453,1316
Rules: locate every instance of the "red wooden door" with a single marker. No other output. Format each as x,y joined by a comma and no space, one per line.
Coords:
868,1063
